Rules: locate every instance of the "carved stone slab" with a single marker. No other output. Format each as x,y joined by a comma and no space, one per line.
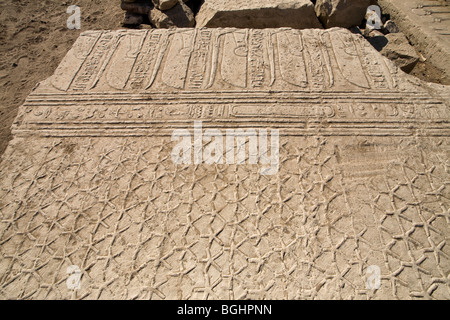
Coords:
88,180
297,80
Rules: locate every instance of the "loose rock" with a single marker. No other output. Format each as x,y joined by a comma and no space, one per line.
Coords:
372,33
165,4
180,16
258,14
396,47
137,7
133,19
391,27
195,5
341,13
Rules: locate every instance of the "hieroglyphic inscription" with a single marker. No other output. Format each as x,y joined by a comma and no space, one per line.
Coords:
199,60
377,72
143,73
369,114
123,60
257,61
64,74
291,53
94,62
175,69
235,58
270,59
316,61
231,77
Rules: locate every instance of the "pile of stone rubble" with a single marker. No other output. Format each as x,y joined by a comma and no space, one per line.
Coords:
161,13
299,14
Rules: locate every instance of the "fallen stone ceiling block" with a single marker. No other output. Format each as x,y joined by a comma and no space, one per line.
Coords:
258,14
88,182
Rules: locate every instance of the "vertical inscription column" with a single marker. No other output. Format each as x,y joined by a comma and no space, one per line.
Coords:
291,57
317,61
257,61
94,63
69,68
199,68
149,60
178,58
235,58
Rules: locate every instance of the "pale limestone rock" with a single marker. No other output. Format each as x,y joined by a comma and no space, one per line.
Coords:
258,14
400,51
396,47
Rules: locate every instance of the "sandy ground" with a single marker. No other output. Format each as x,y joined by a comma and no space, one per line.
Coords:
34,39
